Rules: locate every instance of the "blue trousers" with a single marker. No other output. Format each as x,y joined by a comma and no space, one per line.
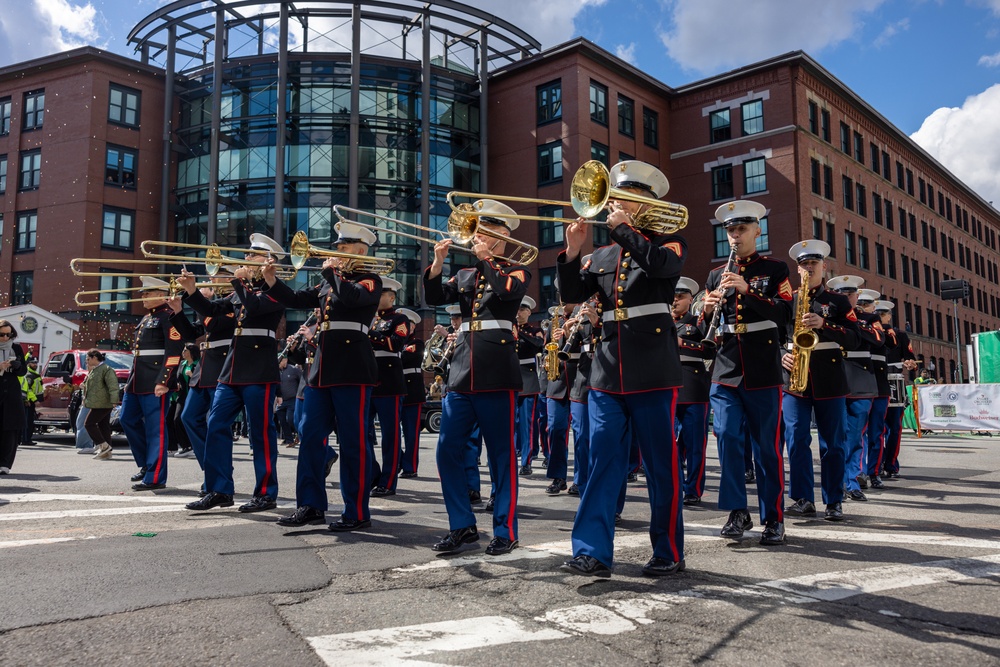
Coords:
388,409
610,418
526,422
855,435
875,449
229,400
580,419
493,411
692,441
411,437
541,428
143,418
558,411
757,412
473,450
831,416
893,439
194,416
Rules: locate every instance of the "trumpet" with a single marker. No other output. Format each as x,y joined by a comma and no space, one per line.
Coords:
173,289
301,251
213,259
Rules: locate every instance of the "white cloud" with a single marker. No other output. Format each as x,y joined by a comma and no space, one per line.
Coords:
41,27
990,61
626,53
891,31
711,35
960,138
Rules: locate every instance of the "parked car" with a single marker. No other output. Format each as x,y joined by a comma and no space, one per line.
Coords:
431,416
63,375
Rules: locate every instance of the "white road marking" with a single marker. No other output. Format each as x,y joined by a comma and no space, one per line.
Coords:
99,511
82,498
874,537
46,540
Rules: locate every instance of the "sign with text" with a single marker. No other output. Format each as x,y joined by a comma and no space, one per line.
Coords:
959,407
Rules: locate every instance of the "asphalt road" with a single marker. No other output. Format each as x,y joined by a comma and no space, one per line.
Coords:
911,577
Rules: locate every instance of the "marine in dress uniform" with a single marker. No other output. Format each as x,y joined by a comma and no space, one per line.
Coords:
340,384
874,441
156,355
746,375
530,340
691,424
583,342
634,376
388,335
899,357
412,357
833,320
484,379
249,380
557,406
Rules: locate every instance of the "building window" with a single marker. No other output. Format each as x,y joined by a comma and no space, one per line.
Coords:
119,166
825,125
915,272
754,179
909,182
549,162
906,268
874,155
814,118
113,289
902,222
624,157
599,152
859,148
550,232
913,227
3,174
752,114
5,107
723,247
650,128
890,260
930,196
849,240
922,189
815,173
119,225
828,182
549,99
863,261
899,175
626,116
886,171
888,215
34,110
763,241
848,186
722,182
31,170
877,208
720,126
22,285
547,288
880,259
861,197
845,138
598,103
123,106
27,228
817,228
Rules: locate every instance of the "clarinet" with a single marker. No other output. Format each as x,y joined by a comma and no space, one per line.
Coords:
709,341
297,338
568,345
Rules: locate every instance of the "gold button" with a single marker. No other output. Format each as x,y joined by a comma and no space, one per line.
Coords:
628,254
621,276
620,302
739,317
768,342
624,265
503,340
621,289
739,307
601,271
255,346
479,296
657,329
477,304
475,314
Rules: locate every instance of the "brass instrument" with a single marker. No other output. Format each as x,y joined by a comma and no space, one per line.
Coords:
804,340
213,259
590,192
433,352
552,347
173,289
74,266
300,251
449,350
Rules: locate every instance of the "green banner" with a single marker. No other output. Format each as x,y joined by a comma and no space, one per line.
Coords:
909,420
988,347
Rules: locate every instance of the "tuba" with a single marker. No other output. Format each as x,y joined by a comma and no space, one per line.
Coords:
804,340
433,352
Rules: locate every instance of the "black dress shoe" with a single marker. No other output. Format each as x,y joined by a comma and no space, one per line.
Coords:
545,462
750,476
834,512
802,507
862,481
474,497
142,486
524,471
876,482
773,533
347,525
139,475
407,475
692,499
857,494
257,504
587,567
573,490
489,504
379,491
890,474
329,464
555,487
738,523
500,545
661,567
632,477
618,519
303,516
210,500
456,538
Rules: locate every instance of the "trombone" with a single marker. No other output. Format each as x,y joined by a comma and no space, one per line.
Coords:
213,259
173,289
77,271
462,228
301,251
590,192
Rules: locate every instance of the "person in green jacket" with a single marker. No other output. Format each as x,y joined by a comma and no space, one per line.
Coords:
100,394
31,392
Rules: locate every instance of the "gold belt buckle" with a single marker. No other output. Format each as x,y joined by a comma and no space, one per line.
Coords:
238,332
324,326
621,314
204,346
475,325
740,328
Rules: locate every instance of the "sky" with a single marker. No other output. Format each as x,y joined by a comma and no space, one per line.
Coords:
931,67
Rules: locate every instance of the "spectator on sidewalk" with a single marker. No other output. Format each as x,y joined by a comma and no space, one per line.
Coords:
100,395
31,392
290,375
12,368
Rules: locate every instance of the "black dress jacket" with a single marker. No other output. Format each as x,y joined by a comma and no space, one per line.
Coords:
214,349
838,337
693,354
157,352
388,335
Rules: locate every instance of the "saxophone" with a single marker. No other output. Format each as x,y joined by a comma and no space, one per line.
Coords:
804,340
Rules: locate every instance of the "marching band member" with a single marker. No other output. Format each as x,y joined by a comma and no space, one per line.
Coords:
746,376
692,400
388,335
899,356
157,353
249,379
832,319
557,406
339,385
874,441
634,376
583,340
412,356
484,380
530,340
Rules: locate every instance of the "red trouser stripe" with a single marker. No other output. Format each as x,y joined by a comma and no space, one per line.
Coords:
512,473
268,471
363,483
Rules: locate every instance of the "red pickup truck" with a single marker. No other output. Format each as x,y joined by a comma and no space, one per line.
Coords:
63,375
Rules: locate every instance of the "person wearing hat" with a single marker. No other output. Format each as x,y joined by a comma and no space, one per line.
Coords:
388,335
874,433
832,319
340,383
31,391
585,330
691,424
557,403
860,371
412,357
156,355
249,380
754,295
530,340
484,379
634,377
899,357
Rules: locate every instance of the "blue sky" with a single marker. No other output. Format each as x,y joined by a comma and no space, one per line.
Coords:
931,64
